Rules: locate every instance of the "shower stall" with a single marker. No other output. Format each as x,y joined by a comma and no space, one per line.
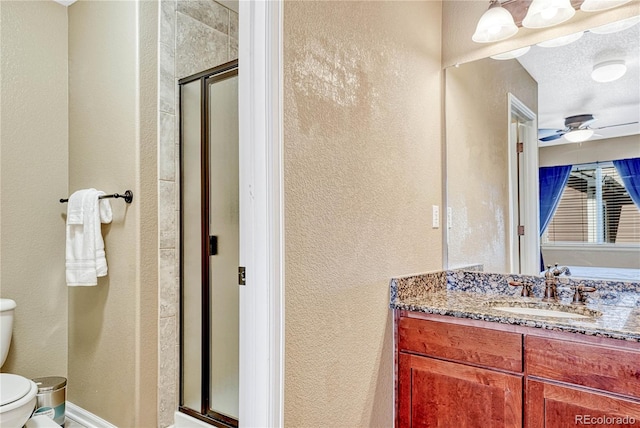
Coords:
209,245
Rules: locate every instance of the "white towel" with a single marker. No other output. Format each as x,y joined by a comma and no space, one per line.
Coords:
75,211
85,255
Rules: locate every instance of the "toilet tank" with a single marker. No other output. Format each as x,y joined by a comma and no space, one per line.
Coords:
6,327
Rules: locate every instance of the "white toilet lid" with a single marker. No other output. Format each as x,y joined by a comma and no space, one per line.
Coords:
13,388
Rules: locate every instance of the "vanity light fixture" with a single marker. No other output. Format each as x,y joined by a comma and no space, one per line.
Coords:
511,54
608,71
547,13
598,5
579,135
614,27
561,41
495,24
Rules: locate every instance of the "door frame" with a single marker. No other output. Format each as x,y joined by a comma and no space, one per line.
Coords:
529,251
261,214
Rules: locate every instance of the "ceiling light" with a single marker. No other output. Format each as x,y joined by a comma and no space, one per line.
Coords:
547,13
511,54
608,71
561,41
495,24
614,27
598,5
578,135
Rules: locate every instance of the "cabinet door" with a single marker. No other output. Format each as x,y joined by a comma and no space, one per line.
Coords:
593,366
435,393
559,406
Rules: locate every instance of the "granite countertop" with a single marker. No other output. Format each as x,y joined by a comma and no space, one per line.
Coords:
612,311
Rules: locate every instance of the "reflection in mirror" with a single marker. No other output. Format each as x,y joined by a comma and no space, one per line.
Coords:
479,177
594,222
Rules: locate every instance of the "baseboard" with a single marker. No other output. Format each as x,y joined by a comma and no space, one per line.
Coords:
84,417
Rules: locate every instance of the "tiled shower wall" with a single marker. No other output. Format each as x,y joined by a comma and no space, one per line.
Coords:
195,35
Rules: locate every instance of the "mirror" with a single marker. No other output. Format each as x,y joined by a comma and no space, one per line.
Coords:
491,105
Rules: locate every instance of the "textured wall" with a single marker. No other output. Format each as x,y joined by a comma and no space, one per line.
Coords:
478,158
590,151
588,256
33,145
362,138
113,147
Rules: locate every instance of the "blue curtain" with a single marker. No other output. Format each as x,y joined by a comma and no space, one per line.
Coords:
629,171
552,180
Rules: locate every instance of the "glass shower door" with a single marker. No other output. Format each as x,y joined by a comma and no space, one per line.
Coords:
224,227
209,220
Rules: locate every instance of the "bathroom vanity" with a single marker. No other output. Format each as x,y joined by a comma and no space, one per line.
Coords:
461,362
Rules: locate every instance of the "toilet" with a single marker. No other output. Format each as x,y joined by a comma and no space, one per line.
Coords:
17,393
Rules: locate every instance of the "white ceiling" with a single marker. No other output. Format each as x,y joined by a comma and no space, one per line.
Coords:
565,86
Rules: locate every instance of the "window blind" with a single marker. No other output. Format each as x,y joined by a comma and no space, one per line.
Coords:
595,208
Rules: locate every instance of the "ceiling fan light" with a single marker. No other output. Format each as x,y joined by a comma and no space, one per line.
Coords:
561,41
511,54
547,13
608,71
578,135
598,5
614,27
494,25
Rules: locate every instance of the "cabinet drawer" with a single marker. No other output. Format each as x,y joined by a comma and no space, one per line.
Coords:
593,366
490,348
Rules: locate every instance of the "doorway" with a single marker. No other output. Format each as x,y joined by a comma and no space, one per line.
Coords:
209,246
524,238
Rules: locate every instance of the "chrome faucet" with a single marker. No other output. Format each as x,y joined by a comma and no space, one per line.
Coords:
551,282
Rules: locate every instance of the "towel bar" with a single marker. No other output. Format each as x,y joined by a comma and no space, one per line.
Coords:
127,196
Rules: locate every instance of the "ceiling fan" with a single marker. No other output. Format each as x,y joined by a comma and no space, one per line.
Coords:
576,129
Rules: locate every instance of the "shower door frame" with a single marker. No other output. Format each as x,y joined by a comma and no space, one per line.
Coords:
205,414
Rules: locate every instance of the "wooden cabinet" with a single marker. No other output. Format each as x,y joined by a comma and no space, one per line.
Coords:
462,343
454,376
573,384
436,393
551,405
593,366
453,372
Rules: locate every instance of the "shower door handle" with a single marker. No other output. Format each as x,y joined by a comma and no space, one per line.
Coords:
213,245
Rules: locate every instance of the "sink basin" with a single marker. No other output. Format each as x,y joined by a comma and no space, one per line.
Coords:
539,312
544,310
